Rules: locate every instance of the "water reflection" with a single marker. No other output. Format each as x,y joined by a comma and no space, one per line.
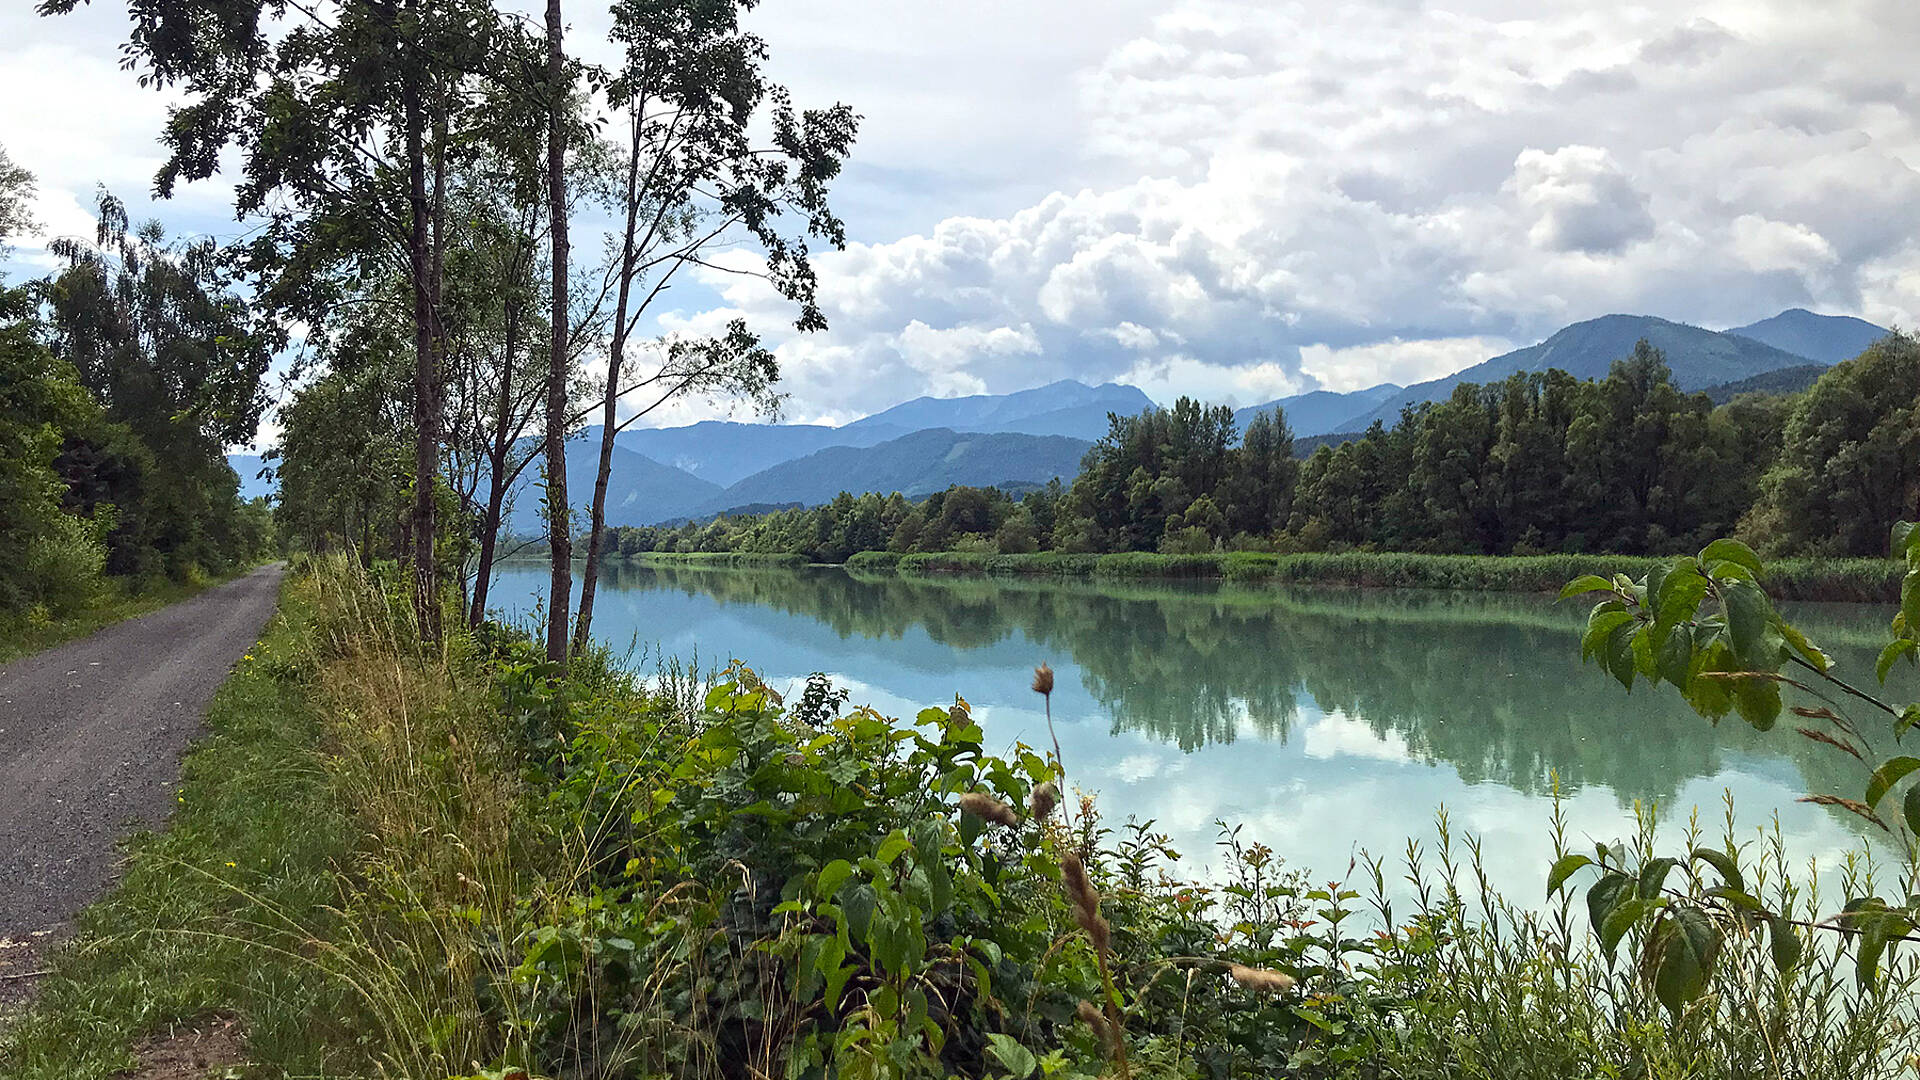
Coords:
1323,719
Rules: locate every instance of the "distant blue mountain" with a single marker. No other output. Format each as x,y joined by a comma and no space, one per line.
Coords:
1068,408
914,465
1825,339
640,490
1321,411
724,451
1586,350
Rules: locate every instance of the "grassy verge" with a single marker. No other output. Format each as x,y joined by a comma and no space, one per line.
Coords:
24,637
252,850
1872,580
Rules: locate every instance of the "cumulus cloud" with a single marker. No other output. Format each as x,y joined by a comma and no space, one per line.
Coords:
1580,200
1296,197
1241,200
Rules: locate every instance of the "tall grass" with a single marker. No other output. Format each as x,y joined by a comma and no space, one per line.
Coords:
1863,580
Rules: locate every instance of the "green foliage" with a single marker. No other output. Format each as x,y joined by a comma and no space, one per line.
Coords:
1705,625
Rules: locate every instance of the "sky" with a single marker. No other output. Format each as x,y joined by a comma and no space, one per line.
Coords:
1234,200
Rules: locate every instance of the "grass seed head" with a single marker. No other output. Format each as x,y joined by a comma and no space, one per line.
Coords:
1042,800
1043,680
1090,1015
1261,980
988,808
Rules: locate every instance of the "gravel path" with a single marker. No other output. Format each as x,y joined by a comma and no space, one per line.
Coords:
91,735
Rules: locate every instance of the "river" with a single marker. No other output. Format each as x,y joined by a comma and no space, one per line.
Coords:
1326,722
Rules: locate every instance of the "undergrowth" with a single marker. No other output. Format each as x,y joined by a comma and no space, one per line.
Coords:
459,861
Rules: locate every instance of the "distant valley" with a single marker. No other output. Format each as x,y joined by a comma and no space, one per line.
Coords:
1032,436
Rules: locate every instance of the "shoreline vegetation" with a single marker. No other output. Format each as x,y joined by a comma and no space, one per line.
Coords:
1857,580
455,860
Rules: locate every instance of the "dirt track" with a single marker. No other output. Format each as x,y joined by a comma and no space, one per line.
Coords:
91,735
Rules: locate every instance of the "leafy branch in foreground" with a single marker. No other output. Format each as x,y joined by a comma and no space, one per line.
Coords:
1703,624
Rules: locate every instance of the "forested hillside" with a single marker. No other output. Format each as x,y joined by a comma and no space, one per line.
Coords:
1539,462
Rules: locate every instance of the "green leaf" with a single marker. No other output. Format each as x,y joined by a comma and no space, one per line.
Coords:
1600,625
1654,875
1757,701
1675,659
1733,551
1586,583
1565,867
1910,600
1619,921
1687,945
1895,649
893,846
1748,617
1906,538
1910,809
1620,654
1876,930
1909,716
858,905
1724,863
1887,775
1016,1059
1604,895
1680,593
1808,651
832,876
1785,942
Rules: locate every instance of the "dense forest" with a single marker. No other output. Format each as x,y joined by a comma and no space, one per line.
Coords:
124,376
1538,463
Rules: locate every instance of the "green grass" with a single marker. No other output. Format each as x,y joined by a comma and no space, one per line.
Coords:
721,558
1867,580
250,854
24,637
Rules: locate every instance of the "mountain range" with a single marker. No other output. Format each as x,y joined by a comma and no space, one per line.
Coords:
1032,436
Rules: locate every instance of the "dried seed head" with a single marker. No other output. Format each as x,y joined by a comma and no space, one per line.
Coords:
1261,980
1080,891
1097,928
1090,1016
988,808
1043,680
1043,798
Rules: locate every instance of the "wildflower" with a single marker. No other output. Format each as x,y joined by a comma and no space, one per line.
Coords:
988,808
1260,980
231,864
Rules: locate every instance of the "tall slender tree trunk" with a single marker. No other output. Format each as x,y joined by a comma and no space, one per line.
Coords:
497,453
616,356
560,540
426,368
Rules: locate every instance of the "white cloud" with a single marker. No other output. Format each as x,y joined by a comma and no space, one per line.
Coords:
1239,200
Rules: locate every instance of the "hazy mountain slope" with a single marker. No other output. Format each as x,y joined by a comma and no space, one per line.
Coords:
1041,407
1791,380
725,451
915,465
1320,411
640,490
1699,358
1827,339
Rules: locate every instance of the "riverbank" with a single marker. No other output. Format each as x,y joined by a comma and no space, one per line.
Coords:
430,861
1848,580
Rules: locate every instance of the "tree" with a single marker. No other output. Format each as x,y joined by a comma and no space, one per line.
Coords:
692,88
1849,464
176,357
345,116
